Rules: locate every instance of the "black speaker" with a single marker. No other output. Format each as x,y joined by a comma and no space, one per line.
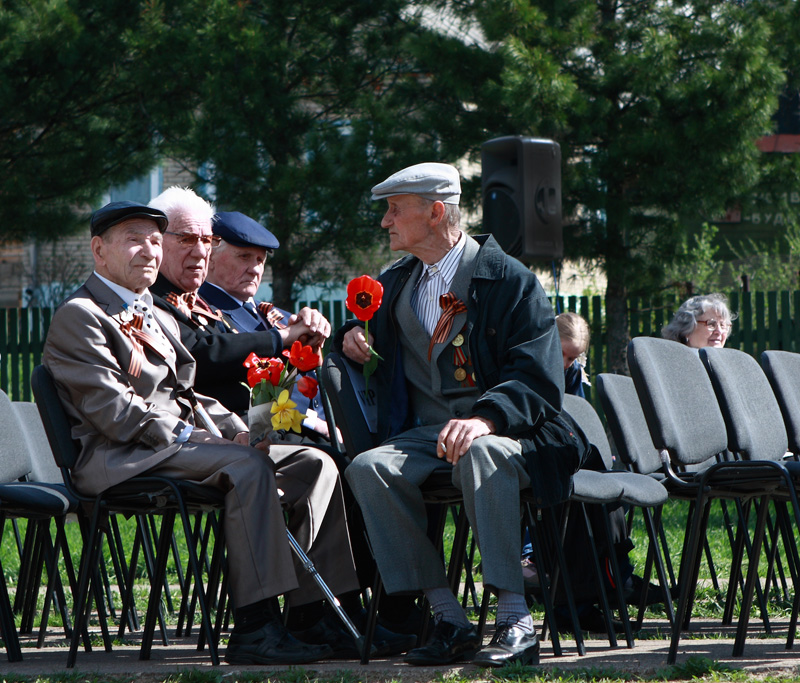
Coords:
521,189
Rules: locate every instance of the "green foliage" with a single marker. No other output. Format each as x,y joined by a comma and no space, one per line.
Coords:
72,121
656,107
769,265
298,111
695,268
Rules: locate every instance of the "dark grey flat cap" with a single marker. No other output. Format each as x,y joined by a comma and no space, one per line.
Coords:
434,181
116,212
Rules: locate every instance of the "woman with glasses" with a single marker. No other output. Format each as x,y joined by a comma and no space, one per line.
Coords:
703,320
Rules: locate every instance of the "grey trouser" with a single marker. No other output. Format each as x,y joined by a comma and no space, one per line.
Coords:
386,482
260,562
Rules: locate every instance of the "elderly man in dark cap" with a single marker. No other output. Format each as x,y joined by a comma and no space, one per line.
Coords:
470,381
126,382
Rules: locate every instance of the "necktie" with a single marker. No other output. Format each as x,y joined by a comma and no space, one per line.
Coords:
250,307
148,320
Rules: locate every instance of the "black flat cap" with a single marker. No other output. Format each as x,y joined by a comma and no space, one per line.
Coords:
242,231
116,212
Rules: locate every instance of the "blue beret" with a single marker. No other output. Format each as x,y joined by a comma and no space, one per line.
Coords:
116,212
242,231
434,181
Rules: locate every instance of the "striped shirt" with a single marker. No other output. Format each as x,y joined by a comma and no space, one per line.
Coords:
436,279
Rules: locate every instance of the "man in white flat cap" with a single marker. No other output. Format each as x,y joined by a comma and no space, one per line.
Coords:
470,381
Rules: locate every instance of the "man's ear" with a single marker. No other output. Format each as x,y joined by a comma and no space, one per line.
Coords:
96,246
437,213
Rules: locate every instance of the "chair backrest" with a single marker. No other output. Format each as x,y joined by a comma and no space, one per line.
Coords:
588,420
627,423
782,369
54,418
43,465
344,403
15,461
677,399
752,414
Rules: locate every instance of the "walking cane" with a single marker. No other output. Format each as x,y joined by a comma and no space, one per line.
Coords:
208,424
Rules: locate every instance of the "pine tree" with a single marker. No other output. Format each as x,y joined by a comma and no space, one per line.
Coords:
301,107
657,107
71,117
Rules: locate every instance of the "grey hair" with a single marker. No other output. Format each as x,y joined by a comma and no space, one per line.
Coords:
452,214
178,201
684,321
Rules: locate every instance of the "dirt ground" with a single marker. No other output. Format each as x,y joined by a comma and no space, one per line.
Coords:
764,655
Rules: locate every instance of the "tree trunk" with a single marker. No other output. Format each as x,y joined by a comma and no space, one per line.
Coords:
282,282
617,324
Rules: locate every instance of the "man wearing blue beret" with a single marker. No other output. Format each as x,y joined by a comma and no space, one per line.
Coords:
470,382
234,276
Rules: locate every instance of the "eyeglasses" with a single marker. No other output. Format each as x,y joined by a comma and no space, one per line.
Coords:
187,240
714,325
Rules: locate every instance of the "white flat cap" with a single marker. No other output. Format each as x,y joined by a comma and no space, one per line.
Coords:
437,182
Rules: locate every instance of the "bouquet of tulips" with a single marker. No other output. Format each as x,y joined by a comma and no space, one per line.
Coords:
271,381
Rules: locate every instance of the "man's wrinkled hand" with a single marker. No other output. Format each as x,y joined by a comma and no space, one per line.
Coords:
457,436
313,329
356,347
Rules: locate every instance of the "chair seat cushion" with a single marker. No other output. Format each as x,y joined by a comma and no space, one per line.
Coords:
33,499
590,486
641,490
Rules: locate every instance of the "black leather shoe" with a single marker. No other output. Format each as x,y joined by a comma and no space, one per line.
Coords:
448,643
331,631
272,644
509,644
385,642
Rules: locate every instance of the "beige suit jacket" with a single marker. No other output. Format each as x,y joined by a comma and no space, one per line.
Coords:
125,424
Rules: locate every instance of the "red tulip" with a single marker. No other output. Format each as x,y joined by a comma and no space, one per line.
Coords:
304,358
269,369
307,386
364,297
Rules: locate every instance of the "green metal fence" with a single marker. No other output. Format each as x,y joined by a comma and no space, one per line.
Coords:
766,320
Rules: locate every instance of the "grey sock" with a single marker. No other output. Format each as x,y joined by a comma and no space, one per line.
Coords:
445,606
511,607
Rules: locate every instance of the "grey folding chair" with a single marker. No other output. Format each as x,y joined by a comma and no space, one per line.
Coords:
687,427
40,504
782,369
756,432
635,489
630,433
165,497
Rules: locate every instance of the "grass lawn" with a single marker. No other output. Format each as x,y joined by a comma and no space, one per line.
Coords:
708,605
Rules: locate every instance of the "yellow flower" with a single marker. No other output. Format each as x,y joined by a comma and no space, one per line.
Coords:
284,415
